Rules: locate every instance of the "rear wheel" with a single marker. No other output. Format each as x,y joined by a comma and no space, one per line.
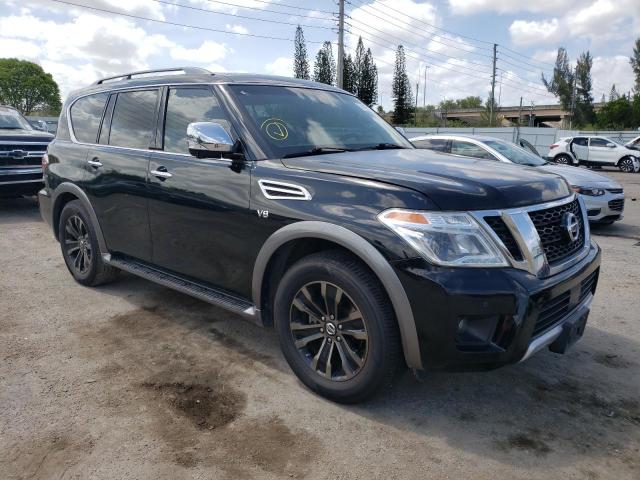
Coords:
563,160
336,327
80,247
626,165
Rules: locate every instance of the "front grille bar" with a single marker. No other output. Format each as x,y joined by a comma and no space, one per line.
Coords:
528,240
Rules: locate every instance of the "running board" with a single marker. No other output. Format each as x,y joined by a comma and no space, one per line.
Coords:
208,294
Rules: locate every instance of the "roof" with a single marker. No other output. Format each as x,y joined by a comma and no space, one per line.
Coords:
191,75
479,138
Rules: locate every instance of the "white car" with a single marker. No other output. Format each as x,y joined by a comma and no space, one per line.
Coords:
594,151
603,196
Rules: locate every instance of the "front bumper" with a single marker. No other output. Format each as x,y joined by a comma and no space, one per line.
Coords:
20,181
480,319
604,208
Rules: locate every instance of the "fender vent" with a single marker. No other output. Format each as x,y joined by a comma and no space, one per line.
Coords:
283,191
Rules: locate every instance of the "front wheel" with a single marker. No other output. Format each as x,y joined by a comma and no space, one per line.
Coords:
626,165
563,160
336,327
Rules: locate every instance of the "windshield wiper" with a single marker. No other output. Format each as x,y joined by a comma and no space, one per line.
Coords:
316,151
382,146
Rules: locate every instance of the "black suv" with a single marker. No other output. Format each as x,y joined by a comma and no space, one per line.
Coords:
293,204
21,151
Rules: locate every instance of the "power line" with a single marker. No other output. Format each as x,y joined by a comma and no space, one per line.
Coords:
176,24
165,2
275,11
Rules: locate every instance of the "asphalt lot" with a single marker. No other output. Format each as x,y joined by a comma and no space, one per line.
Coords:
132,380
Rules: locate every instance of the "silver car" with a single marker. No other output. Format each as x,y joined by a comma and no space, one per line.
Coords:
603,196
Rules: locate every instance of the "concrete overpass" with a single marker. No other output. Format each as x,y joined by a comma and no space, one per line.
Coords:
536,116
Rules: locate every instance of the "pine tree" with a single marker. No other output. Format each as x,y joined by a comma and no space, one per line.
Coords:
358,64
401,90
635,65
324,70
613,94
603,99
349,75
561,84
583,112
300,60
368,86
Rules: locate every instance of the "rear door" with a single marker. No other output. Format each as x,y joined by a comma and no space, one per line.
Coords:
199,208
600,153
118,166
580,148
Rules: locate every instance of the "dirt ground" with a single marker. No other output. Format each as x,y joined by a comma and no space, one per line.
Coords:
133,380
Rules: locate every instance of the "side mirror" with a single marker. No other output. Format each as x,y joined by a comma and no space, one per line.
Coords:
611,145
209,139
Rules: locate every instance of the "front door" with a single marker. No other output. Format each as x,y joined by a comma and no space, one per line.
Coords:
198,208
600,152
118,165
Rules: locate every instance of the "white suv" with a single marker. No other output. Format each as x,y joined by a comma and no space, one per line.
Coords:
594,151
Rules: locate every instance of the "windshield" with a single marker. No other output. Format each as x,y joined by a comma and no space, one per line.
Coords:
515,154
12,120
297,121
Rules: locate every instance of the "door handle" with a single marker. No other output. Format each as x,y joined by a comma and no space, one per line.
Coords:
161,173
94,162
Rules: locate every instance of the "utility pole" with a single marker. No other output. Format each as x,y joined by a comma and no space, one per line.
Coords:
339,80
415,115
531,115
573,96
493,83
519,116
424,94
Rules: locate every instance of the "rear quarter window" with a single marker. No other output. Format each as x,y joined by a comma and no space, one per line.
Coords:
86,114
436,144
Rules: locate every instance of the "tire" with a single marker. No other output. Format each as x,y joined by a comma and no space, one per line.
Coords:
373,331
80,249
626,165
563,159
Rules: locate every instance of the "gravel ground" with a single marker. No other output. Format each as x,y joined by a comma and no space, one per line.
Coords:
132,380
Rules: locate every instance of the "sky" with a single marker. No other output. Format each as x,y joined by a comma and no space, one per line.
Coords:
451,39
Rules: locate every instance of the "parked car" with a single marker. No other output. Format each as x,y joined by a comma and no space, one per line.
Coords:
21,151
295,205
594,151
603,196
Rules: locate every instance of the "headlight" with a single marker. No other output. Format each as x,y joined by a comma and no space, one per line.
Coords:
449,239
592,192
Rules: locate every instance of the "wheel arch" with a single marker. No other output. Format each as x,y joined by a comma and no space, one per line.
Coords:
324,234
67,192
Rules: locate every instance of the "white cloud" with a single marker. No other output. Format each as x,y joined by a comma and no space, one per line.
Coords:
609,70
547,56
19,48
468,7
206,53
282,66
528,33
237,29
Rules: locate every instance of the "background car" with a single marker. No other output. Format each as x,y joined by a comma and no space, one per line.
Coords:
604,197
594,151
634,144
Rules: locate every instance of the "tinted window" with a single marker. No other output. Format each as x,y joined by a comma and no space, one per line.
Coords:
598,142
133,123
469,150
86,114
431,144
187,105
514,153
581,141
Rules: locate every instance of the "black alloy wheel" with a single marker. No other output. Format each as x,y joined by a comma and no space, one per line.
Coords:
78,244
563,160
329,331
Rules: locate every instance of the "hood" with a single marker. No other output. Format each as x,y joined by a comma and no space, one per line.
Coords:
452,183
11,135
581,177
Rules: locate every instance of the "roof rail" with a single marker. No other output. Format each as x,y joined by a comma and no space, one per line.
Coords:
129,76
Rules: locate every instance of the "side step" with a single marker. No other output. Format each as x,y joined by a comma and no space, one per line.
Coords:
211,295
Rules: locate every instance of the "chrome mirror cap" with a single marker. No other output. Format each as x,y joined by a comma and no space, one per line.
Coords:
208,137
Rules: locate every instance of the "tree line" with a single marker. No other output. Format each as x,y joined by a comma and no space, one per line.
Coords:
360,73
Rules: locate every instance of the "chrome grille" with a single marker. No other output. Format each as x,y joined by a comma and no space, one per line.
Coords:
505,235
556,243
